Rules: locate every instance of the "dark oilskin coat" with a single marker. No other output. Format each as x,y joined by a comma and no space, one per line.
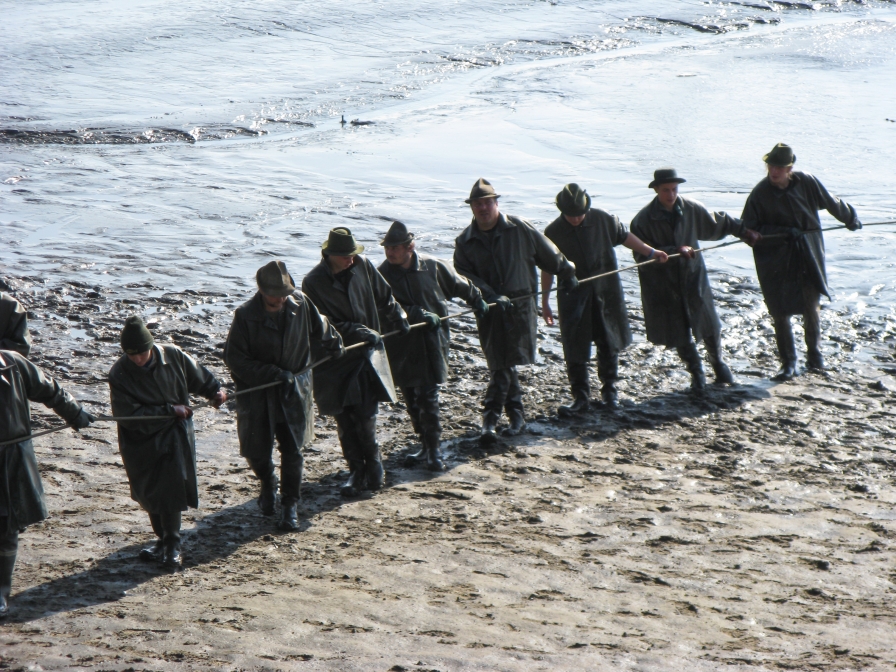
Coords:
590,247
257,352
13,326
782,263
504,265
21,489
159,455
420,358
368,296
676,296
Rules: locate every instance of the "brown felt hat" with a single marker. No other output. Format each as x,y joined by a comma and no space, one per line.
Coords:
274,280
482,189
573,200
341,243
664,176
781,155
135,337
398,234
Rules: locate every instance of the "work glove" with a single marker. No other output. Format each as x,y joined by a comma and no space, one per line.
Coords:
480,307
336,354
403,326
793,234
503,303
431,320
82,420
570,284
368,336
854,225
289,383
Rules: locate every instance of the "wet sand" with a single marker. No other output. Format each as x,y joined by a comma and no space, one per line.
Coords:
753,528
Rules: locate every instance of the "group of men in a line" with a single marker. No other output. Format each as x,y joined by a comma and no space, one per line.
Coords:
346,306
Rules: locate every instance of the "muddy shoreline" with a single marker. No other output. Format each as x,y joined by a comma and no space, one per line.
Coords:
753,528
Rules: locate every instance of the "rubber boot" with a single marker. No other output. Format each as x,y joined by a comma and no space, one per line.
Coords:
171,556
347,428
581,390
357,480
291,470
691,358
786,349
517,423
608,372
812,326
431,443
9,546
267,498
719,368
373,462
489,431
154,553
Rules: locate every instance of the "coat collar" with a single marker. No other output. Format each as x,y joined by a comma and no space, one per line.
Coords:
473,230
158,353
657,211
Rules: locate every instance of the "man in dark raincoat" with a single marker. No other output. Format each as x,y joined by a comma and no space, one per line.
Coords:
790,262
499,254
14,326
595,312
347,288
272,338
423,285
676,296
159,455
21,493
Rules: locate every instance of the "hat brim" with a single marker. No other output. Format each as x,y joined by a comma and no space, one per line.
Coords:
776,163
570,212
656,183
358,250
392,243
278,292
479,198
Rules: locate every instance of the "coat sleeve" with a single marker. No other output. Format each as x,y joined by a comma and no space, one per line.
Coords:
465,267
200,381
14,327
454,286
238,357
547,256
321,331
45,390
620,233
839,209
715,225
388,307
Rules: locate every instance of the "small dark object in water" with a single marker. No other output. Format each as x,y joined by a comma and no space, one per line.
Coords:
358,122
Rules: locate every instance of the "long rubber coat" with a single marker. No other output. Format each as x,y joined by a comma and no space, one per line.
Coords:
783,265
256,352
590,247
420,358
159,455
13,326
21,492
676,297
503,264
367,297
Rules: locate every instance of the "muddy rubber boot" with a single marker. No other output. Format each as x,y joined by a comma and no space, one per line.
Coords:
691,358
812,325
289,516
171,556
719,368
786,349
581,390
608,373
517,423
489,431
431,443
373,462
153,553
9,546
267,498
357,480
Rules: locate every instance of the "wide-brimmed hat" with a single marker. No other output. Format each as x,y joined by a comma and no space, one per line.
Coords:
341,243
573,200
135,337
664,176
398,234
781,155
274,280
482,189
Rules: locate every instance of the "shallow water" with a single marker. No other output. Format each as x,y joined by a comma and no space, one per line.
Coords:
181,145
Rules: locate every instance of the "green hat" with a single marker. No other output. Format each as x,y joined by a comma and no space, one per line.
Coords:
573,200
341,243
274,280
781,155
398,235
664,176
482,189
135,337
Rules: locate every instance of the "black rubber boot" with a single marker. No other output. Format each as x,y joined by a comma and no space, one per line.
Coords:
373,462
608,373
267,498
581,390
357,480
431,443
691,358
292,466
289,516
812,326
719,368
489,433
153,553
517,423
9,546
171,556
786,349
